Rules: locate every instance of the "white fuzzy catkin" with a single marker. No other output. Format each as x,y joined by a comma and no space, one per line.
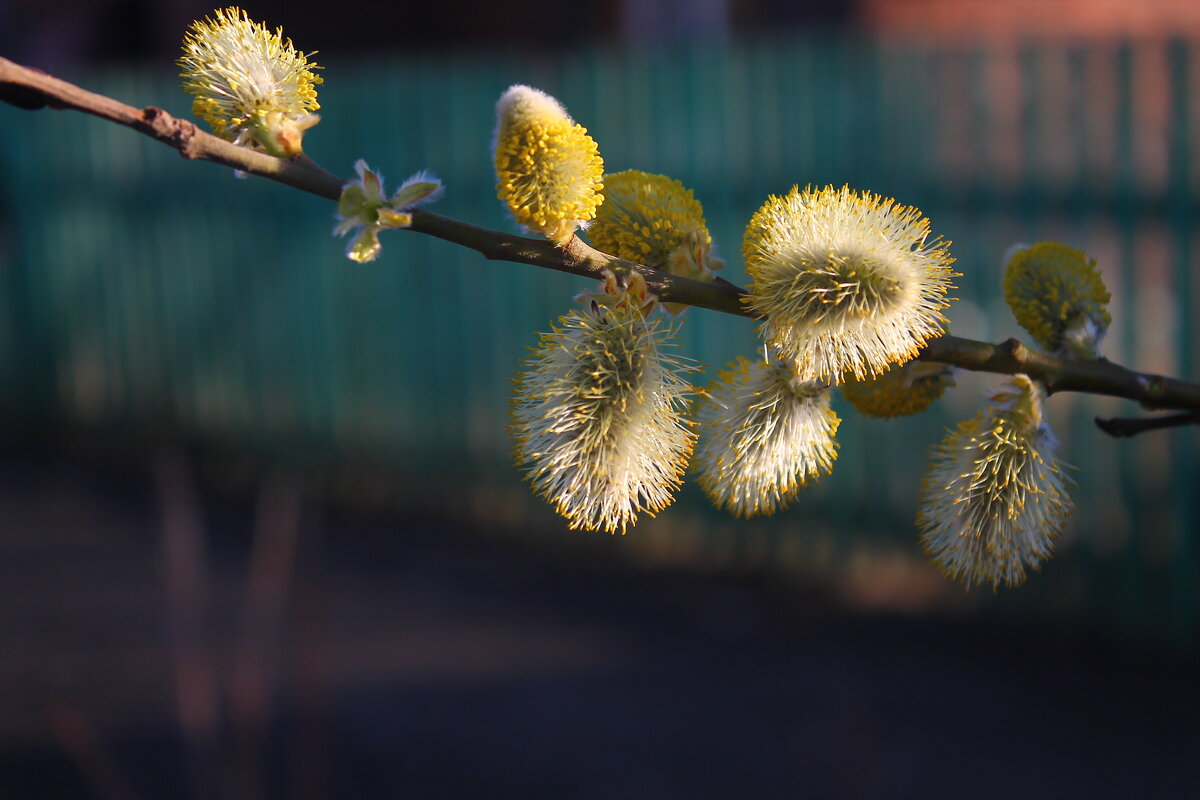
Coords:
995,497
765,434
848,283
599,418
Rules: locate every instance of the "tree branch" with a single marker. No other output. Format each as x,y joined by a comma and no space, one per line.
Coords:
32,89
1120,427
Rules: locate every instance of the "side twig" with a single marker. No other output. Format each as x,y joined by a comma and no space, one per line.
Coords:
31,89
1121,427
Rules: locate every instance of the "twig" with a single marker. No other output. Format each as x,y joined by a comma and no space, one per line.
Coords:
1122,427
29,88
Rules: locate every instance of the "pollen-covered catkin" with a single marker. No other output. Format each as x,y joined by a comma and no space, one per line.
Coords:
907,389
1056,293
848,283
548,170
249,84
995,497
765,434
599,418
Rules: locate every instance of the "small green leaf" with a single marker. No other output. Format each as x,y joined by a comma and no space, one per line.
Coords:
410,194
352,201
394,219
365,246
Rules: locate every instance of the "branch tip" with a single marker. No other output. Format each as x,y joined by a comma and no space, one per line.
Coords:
1125,427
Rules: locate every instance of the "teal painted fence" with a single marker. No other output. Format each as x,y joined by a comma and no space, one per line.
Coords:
140,290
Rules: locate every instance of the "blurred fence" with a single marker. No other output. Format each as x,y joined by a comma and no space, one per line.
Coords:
142,291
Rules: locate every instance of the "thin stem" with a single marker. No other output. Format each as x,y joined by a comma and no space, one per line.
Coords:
31,89
1121,427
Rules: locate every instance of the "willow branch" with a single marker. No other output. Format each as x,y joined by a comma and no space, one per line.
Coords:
32,89
1121,427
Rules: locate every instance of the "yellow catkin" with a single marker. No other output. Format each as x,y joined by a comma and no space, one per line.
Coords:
907,389
1056,293
548,170
645,218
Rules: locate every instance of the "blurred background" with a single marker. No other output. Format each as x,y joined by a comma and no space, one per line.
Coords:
262,537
